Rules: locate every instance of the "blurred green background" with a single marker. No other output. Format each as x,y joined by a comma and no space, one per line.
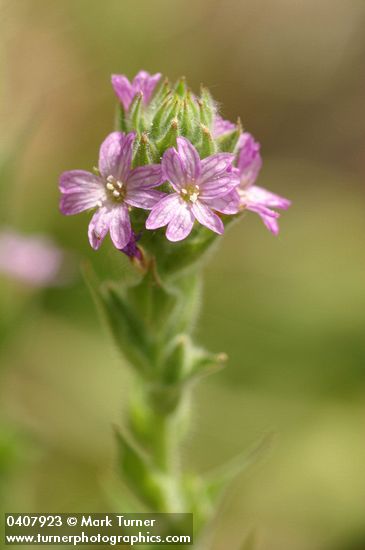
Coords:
289,311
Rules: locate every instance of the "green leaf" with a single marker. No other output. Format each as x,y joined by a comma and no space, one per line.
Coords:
153,302
218,480
140,474
185,363
204,363
175,363
128,330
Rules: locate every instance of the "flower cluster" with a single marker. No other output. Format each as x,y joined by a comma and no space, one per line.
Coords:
173,156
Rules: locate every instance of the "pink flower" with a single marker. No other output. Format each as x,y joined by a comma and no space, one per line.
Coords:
34,260
126,90
113,191
256,198
222,126
201,187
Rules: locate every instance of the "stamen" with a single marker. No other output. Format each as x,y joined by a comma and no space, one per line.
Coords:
190,192
119,184
110,186
116,193
110,179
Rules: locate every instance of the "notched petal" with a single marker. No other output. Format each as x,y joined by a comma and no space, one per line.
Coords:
120,226
144,198
181,223
189,158
163,211
79,181
207,217
99,227
145,177
115,155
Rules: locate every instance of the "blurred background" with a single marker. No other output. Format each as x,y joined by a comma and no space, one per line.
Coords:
289,311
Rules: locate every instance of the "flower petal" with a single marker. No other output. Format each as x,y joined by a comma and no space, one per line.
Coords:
99,226
181,223
74,203
79,181
228,204
206,217
260,195
269,217
143,198
120,226
123,89
181,166
145,177
189,157
271,224
249,161
218,177
115,155
173,169
221,126
163,211
145,82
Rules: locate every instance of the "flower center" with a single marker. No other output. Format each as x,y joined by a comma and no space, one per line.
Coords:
190,192
116,189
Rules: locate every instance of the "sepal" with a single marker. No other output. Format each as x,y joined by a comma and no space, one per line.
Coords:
120,119
189,120
163,116
162,91
169,139
207,146
208,108
180,87
144,153
135,114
